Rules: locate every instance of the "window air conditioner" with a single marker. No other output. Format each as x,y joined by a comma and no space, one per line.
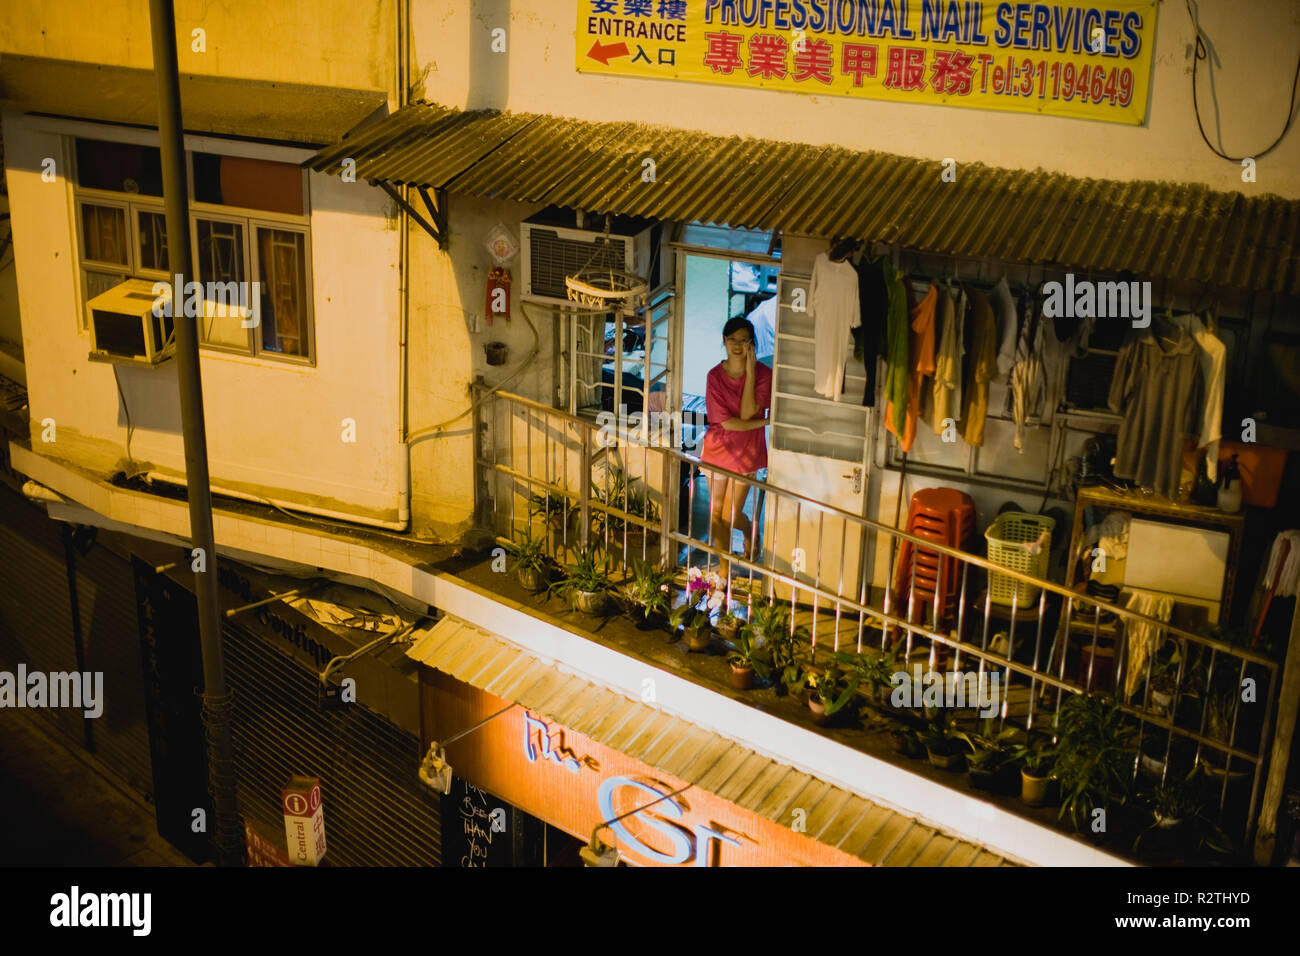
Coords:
551,252
123,326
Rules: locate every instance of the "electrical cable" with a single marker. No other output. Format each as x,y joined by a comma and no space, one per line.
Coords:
1202,53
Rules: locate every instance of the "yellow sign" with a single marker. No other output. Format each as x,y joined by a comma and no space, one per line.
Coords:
1063,59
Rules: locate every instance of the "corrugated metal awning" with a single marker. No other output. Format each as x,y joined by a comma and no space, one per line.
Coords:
255,109
1155,230
836,817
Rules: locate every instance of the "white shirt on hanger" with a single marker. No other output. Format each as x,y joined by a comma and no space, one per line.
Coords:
835,308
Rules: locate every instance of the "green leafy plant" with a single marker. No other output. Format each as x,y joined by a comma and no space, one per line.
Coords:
555,508
626,495
1180,804
941,736
768,620
1038,757
990,750
530,553
875,671
834,687
588,573
650,588
1094,759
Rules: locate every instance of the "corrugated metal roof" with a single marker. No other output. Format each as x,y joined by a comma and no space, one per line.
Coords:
766,787
1156,230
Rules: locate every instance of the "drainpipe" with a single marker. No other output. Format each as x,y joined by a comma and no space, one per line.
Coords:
229,837
403,288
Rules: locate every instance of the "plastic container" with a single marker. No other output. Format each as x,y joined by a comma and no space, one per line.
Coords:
1021,542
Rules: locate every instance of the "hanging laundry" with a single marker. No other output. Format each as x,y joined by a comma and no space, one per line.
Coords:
833,306
873,304
1155,389
1214,365
1143,639
920,347
947,361
1004,308
1027,392
896,333
982,368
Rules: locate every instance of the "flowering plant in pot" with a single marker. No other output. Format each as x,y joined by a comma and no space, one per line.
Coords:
586,583
705,592
831,690
533,566
649,592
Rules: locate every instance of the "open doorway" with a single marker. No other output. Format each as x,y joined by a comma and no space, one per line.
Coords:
715,289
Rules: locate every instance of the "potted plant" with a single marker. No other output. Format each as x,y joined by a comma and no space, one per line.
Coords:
1037,759
767,620
942,744
728,622
586,583
991,754
875,671
626,495
742,662
1178,809
557,509
906,741
533,566
831,690
648,592
1094,760
705,592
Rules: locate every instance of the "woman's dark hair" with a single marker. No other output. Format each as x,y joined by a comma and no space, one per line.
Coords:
736,324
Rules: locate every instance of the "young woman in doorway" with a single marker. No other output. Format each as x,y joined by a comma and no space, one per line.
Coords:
736,399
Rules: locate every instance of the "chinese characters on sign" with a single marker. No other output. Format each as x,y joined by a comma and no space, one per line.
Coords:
1062,59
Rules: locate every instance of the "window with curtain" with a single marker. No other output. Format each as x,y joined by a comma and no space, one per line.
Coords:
281,255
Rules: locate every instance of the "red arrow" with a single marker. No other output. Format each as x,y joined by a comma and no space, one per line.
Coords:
603,54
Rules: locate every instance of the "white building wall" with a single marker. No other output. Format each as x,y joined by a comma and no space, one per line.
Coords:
1254,49
274,429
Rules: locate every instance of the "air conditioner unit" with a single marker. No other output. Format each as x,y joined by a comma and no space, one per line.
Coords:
123,326
550,252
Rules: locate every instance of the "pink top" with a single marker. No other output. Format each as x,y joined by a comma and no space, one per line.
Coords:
743,452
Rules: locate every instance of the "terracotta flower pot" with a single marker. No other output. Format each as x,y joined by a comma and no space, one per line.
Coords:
817,706
698,639
742,677
1033,790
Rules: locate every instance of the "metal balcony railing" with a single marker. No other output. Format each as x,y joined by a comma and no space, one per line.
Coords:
628,490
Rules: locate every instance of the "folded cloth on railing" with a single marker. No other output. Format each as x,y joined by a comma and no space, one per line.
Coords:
1143,638
1284,559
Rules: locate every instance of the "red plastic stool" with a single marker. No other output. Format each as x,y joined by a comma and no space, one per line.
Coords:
945,516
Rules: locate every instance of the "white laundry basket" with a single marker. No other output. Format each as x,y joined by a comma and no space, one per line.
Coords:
1021,542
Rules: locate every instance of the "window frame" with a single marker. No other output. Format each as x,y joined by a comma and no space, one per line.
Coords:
249,219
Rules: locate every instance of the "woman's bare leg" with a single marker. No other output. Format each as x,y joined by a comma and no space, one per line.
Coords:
726,514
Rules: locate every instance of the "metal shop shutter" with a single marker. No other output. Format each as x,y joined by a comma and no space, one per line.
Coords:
110,633
35,611
377,813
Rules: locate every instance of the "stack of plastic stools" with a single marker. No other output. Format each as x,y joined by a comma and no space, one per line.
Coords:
945,516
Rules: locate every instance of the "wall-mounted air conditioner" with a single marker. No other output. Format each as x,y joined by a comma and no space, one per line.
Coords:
123,326
551,251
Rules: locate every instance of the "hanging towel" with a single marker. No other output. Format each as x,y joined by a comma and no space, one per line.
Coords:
1143,638
835,308
1214,363
983,366
1287,560
1027,378
920,348
947,361
896,352
1004,308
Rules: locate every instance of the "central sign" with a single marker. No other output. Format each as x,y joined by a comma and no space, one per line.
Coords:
1064,59
577,784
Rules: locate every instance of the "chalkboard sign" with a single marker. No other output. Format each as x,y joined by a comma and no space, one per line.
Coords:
479,830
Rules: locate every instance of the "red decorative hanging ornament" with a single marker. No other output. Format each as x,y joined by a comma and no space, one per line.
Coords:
498,294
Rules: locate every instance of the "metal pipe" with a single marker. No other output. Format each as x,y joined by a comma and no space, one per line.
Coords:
216,699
